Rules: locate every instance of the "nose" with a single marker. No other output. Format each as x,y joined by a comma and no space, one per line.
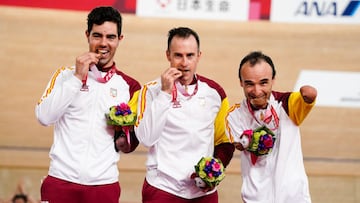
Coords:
257,90
184,61
103,41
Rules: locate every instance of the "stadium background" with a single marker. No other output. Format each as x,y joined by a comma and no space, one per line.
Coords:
39,37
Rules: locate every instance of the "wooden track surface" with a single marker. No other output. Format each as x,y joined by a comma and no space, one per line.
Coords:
35,42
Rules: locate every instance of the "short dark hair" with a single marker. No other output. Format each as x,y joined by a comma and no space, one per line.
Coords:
101,14
183,32
256,57
20,196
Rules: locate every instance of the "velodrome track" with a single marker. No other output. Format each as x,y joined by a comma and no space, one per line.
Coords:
35,42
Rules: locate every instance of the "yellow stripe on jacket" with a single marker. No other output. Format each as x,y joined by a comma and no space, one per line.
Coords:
220,135
298,108
52,82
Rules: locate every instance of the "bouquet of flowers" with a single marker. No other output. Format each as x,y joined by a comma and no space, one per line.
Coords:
121,116
210,171
259,142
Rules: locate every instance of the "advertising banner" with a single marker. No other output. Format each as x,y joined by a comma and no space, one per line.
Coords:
124,6
194,9
259,9
316,11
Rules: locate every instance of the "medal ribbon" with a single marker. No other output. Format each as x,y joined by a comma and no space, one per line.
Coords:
177,86
268,118
183,91
98,76
84,80
174,94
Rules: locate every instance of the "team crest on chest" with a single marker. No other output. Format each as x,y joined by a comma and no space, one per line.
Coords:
202,101
113,92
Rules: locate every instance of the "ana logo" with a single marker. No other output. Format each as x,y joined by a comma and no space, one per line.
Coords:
326,8
351,9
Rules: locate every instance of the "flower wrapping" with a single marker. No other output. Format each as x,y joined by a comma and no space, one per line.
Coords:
210,170
121,115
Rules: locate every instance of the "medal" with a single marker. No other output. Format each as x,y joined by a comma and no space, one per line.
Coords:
176,104
84,87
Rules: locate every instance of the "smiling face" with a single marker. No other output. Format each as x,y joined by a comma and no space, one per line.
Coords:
184,54
104,39
257,82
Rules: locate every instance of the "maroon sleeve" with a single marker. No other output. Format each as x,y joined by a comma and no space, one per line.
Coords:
224,152
213,85
134,85
284,98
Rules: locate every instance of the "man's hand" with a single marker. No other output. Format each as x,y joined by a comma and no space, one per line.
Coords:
168,78
200,183
238,146
121,141
83,62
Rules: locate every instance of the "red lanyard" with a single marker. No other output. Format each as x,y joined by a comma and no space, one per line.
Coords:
84,87
98,77
276,119
104,79
177,85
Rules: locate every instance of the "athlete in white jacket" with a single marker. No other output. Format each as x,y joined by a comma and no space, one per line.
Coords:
83,165
279,176
181,119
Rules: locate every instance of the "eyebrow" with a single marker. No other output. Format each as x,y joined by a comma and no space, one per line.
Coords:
187,54
264,80
248,81
100,34
261,81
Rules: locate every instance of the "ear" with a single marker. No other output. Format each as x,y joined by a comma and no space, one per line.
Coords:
87,34
241,84
121,37
273,81
167,55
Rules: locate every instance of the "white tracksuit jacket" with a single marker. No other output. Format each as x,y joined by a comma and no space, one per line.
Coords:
178,137
83,148
278,177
